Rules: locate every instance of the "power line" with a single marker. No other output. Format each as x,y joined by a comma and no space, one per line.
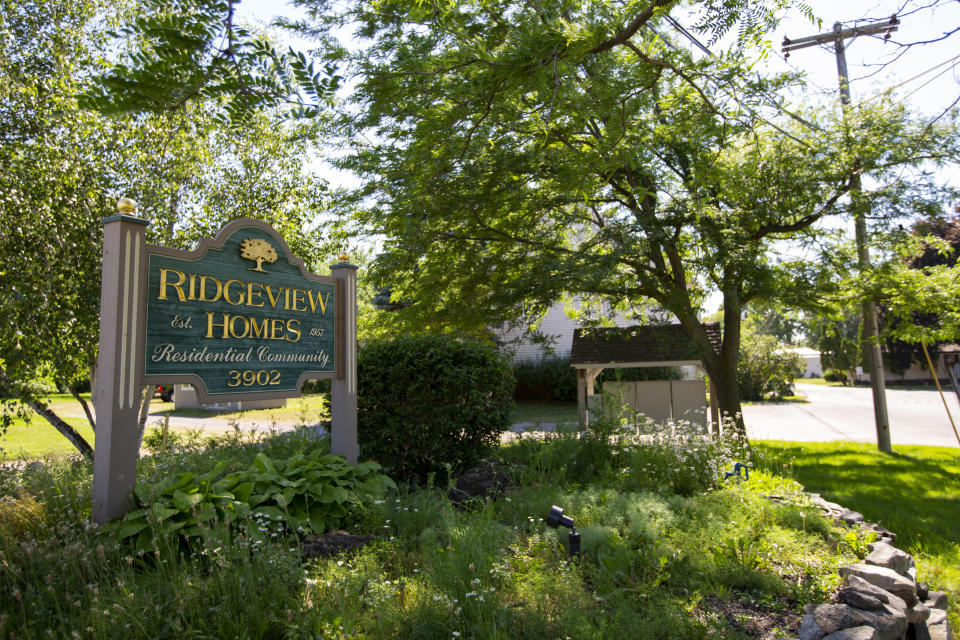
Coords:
693,39
945,71
734,98
919,75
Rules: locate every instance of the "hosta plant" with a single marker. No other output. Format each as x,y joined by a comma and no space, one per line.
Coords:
305,493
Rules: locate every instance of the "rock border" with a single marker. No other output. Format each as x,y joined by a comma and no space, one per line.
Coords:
881,599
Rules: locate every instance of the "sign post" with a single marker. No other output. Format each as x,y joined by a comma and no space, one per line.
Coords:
239,318
117,393
343,390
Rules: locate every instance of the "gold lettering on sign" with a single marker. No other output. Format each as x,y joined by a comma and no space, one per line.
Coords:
237,327
177,286
203,289
226,292
183,287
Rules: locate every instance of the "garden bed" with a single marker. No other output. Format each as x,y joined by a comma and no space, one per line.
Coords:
668,552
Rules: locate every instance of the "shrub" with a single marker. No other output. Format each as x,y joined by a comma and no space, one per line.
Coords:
765,368
548,379
835,375
426,401
630,455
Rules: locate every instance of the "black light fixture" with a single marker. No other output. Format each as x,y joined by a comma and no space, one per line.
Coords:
556,519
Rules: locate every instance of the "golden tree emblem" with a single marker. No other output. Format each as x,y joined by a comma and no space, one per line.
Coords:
259,250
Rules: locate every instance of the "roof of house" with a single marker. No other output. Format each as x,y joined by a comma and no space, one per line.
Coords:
638,346
803,352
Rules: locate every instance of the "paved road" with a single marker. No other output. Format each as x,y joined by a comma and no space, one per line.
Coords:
846,413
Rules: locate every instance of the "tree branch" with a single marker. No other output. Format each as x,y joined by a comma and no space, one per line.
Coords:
623,36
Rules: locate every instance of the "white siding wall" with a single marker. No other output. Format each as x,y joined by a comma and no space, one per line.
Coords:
555,323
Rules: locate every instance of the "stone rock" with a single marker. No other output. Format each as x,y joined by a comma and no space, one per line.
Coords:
940,631
825,504
809,629
918,631
854,633
889,623
884,534
851,517
858,583
886,555
918,613
923,590
859,599
483,481
937,616
886,579
332,543
936,600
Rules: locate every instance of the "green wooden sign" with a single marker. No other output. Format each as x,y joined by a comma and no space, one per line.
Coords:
239,317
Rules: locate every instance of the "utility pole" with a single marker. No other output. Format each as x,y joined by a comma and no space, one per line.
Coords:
871,329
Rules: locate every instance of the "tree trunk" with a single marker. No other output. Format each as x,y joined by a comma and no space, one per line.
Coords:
58,423
722,366
86,408
144,412
68,432
728,395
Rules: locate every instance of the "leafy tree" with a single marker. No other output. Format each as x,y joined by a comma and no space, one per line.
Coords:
53,190
61,170
524,152
515,152
915,287
837,337
767,318
766,368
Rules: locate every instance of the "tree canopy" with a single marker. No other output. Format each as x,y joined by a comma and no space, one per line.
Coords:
62,168
521,152
514,152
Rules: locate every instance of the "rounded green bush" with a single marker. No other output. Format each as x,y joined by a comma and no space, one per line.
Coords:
426,401
835,375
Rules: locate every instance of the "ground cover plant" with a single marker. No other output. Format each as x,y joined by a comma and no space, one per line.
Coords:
670,550
913,492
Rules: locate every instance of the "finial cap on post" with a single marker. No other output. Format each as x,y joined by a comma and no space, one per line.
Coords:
344,257
126,206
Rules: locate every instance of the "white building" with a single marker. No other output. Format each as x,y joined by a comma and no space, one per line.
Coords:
811,360
558,326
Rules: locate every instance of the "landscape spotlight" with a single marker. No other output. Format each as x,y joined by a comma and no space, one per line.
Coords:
556,519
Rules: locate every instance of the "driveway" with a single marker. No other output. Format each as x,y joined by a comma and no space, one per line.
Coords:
846,413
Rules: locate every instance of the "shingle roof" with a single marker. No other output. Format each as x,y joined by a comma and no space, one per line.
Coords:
646,343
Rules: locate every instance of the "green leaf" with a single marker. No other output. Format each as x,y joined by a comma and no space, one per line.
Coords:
242,492
132,529
186,501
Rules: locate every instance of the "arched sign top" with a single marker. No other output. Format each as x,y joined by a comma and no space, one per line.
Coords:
239,317
229,240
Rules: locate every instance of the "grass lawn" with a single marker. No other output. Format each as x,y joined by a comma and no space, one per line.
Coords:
39,439
818,381
914,492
